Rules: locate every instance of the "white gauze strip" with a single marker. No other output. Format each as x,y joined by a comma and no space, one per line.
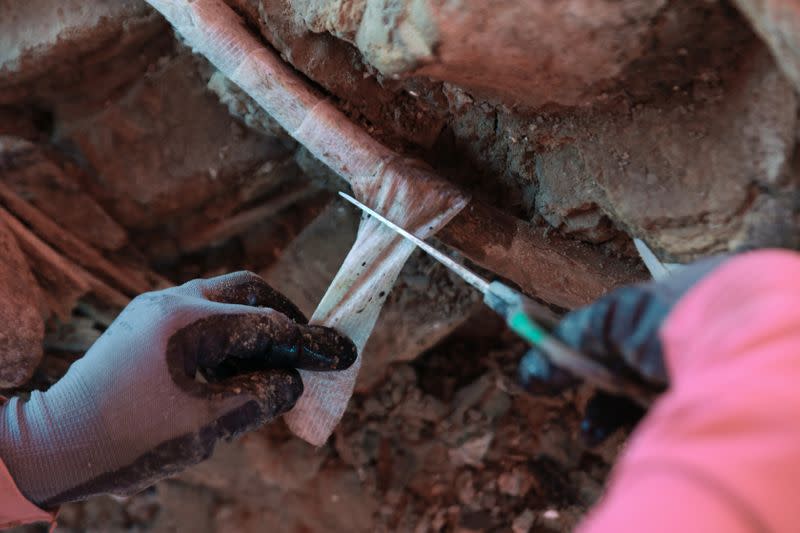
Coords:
404,190
408,194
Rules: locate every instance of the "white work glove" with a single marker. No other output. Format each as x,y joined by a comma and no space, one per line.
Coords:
178,370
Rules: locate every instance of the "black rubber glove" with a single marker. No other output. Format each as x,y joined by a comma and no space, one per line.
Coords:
177,371
620,330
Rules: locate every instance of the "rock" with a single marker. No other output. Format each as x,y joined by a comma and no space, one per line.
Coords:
51,185
185,508
310,262
39,36
416,317
152,167
680,136
104,510
550,514
555,442
465,487
778,23
424,408
288,465
590,490
334,500
700,162
571,53
515,483
474,521
22,333
471,395
342,67
75,336
495,404
472,451
523,522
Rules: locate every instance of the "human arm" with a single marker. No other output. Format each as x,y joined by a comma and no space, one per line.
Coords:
177,371
718,450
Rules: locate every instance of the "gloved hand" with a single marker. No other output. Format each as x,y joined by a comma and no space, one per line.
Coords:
620,330
178,370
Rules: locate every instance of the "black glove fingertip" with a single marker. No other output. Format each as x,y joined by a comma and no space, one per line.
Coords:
250,289
288,387
269,394
324,348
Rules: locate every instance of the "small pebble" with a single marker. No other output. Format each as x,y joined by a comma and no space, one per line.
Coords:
550,514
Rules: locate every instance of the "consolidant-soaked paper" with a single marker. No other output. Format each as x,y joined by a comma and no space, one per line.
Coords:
404,190
407,193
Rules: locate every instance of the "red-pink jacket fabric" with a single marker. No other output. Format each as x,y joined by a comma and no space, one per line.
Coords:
720,451
15,509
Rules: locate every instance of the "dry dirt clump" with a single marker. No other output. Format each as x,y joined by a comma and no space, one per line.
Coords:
128,163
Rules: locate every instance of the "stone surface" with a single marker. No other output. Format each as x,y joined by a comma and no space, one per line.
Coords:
53,186
56,51
578,44
778,23
152,166
30,31
23,329
672,122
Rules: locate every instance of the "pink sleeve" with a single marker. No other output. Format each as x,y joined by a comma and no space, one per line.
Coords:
15,509
720,451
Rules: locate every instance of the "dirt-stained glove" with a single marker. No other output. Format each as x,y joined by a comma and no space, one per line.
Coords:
620,330
178,370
